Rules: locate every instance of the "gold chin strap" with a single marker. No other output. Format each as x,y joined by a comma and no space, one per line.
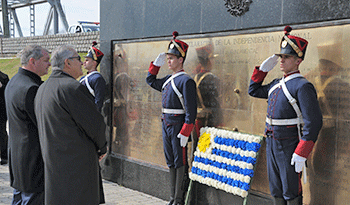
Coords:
179,48
295,47
93,54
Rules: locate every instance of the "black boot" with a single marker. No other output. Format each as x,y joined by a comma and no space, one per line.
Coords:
172,173
180,172
296,201
279,201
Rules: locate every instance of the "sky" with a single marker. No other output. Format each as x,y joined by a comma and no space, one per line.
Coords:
75,10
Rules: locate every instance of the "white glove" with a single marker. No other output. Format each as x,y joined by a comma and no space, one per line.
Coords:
183,140
160,60
298,161
269,63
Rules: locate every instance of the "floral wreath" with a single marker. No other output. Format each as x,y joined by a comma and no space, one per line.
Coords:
225,160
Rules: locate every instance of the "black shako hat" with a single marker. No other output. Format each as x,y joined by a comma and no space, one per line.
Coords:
94,53
292,45
177,47
205,53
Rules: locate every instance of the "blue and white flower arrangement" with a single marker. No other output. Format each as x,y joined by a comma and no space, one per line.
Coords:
225,160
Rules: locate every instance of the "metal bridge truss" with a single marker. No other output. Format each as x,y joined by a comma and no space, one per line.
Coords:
10,6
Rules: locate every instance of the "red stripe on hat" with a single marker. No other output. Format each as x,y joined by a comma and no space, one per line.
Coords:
299,40
183,45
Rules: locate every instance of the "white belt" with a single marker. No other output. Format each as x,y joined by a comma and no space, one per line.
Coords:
293,121
173,111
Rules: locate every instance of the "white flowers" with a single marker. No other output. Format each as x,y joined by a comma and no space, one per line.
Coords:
228,163
219,185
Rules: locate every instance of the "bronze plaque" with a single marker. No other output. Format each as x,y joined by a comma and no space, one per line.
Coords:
231,60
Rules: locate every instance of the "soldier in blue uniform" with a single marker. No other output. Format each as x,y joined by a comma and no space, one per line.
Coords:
179,110
293,119
94,80
96,85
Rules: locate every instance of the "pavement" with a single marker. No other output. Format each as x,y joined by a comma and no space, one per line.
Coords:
114,194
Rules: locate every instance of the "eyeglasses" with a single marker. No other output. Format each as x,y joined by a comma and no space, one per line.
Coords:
77,57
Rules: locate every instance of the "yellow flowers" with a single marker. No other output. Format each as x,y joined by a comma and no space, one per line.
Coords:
204,142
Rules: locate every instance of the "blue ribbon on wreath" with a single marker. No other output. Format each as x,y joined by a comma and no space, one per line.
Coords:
244,145
236,157
221,165
235,183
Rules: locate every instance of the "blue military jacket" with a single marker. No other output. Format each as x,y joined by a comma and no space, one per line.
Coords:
187,87
279,107
98,85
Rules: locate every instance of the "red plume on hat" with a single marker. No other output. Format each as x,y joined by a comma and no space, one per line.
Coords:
175,34
287,30
183,45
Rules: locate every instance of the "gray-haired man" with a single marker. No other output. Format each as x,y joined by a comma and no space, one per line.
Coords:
25,159
71,131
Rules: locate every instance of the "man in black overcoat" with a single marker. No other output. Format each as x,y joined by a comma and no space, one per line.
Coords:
25,158
71,132
4,79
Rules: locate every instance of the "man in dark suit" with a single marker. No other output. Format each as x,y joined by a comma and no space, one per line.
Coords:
4,79
25,159
72,133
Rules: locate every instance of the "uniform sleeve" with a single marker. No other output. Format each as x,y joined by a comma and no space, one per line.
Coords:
312,118
256,89
152,80
99,89
87,117
190,102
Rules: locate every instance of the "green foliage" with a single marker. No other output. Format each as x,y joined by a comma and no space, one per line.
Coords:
10,66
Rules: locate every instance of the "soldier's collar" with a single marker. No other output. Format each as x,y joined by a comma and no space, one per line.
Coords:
291,73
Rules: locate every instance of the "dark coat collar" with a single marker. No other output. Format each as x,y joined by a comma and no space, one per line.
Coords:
30,74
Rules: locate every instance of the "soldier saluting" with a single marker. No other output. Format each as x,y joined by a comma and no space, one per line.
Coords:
179,110
293,119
